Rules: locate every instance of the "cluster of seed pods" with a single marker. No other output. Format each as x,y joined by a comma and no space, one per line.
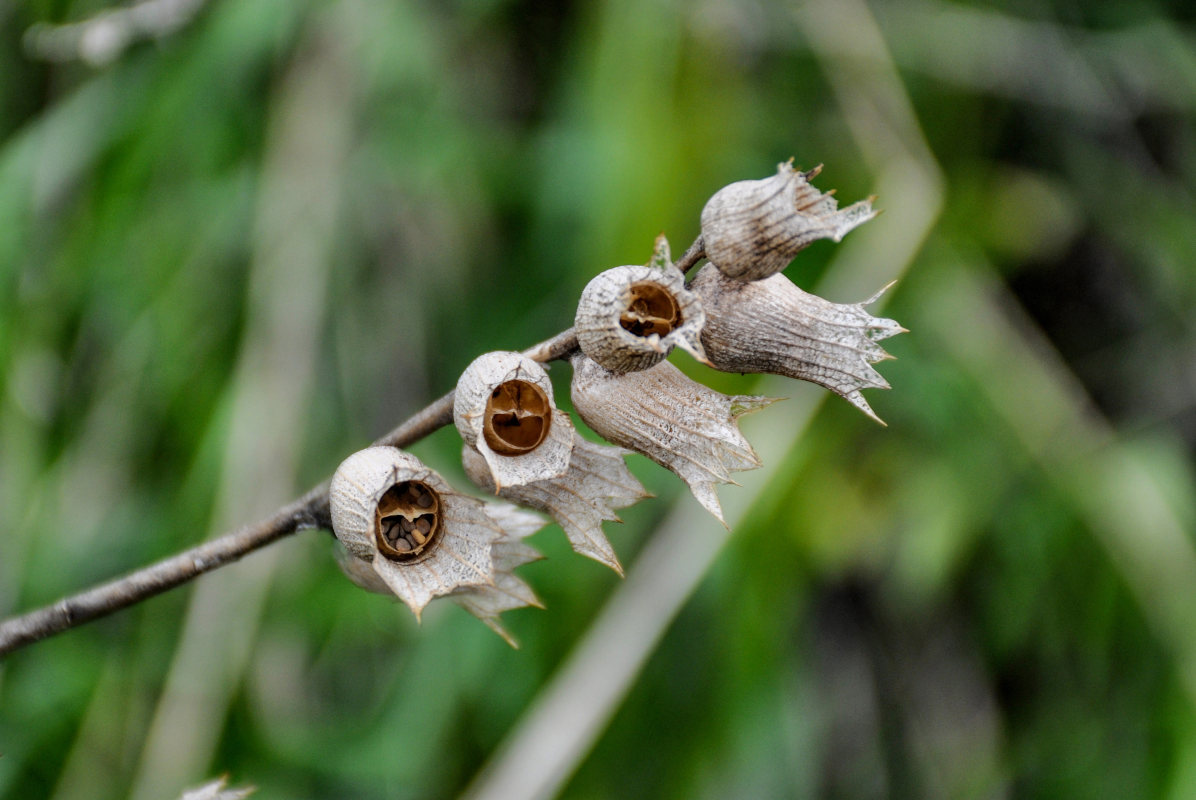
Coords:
406,532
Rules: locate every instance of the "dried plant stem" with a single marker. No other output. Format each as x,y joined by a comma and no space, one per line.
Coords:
692,256
309,511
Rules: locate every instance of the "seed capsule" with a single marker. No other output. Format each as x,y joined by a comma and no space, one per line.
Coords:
753,229
772,326
678,423
382,502
629,318
596,483
503,406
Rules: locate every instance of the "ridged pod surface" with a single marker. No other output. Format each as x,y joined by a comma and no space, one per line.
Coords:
772,326
595,485
503,406
629,318
376,492
753,229
509,590
678,423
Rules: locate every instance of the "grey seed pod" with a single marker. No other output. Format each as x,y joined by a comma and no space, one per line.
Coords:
629,318
677,422
488,601
509,590
773,326
753,229
419,536
503,406
597,483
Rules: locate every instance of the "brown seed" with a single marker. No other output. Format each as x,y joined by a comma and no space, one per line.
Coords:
407,525
423,524
402,545
424,501
418,537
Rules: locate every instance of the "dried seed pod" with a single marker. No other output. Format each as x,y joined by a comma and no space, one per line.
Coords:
753,229
630,318
678,423
378,498
773,326
503,406
485,602
597,483
509,590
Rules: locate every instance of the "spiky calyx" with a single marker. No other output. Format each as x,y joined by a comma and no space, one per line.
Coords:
772,326
678,423
595,485
753,229
369,525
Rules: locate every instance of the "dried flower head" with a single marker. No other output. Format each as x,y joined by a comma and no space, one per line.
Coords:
753,229
596,483
503,406
773,326
678,423
629,318
508,591
423,539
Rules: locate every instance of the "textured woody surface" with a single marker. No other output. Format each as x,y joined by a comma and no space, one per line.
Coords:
677,422
753,229
772,326
461,556
503,406
596,483
631,317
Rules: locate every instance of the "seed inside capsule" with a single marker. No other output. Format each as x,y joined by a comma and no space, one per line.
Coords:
518,415
407,521
652,309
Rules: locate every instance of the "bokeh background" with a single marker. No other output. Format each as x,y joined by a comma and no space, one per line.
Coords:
239,239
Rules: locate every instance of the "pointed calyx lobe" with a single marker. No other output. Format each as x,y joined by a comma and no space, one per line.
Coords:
508,590
753,229
587,494
380,500
774,327
678,423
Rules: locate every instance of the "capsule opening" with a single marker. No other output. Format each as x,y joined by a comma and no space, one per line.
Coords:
517,418
651,310
408,521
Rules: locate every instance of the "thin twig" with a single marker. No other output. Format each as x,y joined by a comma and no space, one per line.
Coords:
692,256
309,511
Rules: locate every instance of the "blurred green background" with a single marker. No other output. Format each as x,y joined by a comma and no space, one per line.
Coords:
240,239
